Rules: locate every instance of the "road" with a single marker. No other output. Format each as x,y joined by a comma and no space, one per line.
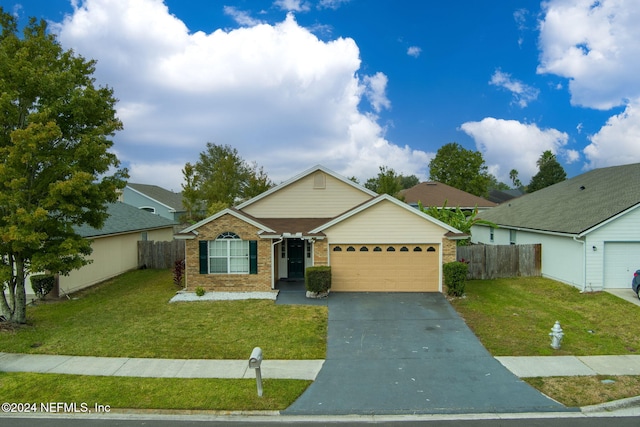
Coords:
577,420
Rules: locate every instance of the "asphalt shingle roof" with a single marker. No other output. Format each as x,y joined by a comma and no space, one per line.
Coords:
435,193
575,205
160,194
124,218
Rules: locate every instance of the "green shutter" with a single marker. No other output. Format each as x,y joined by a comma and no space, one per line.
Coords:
204,255
253,257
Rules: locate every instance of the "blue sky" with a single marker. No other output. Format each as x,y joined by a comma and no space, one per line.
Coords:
358,84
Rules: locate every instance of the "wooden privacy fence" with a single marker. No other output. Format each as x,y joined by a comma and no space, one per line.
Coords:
496,261
159,254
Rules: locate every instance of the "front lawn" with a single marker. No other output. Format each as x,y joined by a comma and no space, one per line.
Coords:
513,317
130,316
149,393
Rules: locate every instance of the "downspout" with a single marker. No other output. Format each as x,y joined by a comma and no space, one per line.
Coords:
584,263
273,270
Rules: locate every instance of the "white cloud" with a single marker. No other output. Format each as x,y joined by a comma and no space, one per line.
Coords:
241,17
414,51
293,5
331,4
277,93
376,87
595,45
618,141
509,144
522,93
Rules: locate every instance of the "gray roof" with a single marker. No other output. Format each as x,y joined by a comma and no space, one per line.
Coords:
162,195
124,218
573,206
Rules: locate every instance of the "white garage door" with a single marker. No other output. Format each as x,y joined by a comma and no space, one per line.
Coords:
385,268
620,262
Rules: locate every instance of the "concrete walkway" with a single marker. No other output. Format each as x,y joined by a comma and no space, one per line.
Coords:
523,367
564,366
159,368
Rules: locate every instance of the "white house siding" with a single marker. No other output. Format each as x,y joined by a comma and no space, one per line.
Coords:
617,244
562,257
112,255
302,199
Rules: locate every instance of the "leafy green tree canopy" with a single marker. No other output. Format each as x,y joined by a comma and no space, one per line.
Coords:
549,172
56,170
221,178
463,169
457,218
389,182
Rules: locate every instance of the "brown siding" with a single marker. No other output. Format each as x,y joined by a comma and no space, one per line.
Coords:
229,282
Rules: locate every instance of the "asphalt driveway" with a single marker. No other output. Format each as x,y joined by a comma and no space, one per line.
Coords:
409,353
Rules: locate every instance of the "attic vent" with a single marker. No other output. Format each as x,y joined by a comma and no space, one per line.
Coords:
582,187
319,181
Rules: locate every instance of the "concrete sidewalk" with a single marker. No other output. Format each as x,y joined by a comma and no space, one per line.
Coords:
523,367
563,366
159,368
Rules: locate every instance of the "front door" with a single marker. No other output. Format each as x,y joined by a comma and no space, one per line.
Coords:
295,263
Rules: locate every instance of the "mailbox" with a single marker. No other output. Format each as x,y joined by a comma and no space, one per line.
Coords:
256,358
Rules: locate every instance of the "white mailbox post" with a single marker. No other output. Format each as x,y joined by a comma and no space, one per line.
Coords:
254,363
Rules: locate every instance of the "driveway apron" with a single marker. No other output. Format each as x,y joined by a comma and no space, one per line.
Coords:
409,353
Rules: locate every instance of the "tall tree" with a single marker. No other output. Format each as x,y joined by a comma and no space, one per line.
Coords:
549,172
513,175
463,169
56,170
386,182
221,178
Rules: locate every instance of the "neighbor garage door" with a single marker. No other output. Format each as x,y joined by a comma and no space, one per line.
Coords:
385,268
621,259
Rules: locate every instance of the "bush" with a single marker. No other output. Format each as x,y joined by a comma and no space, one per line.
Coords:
455,277
42,284
178,272
318,279
199,291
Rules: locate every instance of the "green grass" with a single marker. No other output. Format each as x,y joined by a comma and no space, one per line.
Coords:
129,316
513,317
150,393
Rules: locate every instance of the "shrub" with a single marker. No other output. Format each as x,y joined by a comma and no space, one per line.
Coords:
42,284
199,291
455,276
178,272
318,278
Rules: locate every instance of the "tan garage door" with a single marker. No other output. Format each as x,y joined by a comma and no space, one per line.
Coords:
384,268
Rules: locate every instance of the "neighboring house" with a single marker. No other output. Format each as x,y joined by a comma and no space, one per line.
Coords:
501,196
436,194
372,242
115,245
589,227
154,199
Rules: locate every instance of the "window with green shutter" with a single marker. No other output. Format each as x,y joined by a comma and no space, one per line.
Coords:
228,254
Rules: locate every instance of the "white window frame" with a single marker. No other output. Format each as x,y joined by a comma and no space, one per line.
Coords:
229,245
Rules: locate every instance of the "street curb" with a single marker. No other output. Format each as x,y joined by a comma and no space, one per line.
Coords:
629,402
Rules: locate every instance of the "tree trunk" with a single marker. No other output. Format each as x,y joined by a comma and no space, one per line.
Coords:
20,304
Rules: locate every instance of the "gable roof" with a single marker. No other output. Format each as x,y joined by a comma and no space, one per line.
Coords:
379,199
433,193
125,218
163,196
302,175
573,206
191,232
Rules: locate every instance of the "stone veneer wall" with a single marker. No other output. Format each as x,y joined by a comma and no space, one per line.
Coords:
260,282
448,250
320,252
